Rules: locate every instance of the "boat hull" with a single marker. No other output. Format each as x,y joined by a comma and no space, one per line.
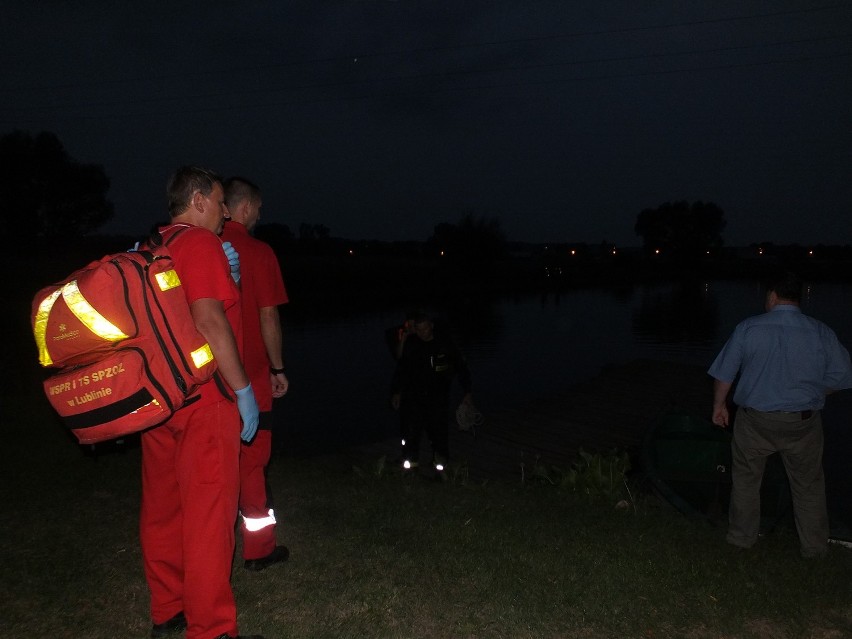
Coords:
688,462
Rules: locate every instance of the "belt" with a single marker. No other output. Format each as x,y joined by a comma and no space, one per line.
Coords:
802,414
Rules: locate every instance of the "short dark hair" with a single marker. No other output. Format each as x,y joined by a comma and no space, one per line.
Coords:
184,182
238,189
786,285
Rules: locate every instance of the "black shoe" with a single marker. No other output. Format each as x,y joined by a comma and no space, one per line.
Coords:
173,625
278,555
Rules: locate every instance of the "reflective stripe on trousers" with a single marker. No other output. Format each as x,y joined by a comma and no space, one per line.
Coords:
253,524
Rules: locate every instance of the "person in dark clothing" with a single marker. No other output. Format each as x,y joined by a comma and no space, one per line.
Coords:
420,390
395,336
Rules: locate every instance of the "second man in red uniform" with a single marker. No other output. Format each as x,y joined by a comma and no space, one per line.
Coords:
262,291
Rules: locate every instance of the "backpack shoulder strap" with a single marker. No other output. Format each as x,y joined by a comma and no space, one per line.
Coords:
158,238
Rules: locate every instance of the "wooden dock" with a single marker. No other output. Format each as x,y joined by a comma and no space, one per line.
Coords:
610,411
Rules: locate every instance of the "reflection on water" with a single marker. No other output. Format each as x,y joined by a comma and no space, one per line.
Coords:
681,313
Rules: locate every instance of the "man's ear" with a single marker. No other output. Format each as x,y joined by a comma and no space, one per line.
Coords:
198,201
239,214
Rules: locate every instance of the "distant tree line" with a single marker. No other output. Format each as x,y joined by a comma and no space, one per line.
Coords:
54,196
685,232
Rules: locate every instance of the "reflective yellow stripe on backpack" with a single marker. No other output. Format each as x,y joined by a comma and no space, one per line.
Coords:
40,326
82,310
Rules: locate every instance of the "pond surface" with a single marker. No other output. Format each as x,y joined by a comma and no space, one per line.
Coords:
521,348
518,348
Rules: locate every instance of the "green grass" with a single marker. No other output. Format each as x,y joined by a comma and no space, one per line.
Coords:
386,555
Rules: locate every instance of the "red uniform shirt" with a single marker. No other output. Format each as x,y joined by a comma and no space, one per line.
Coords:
204,272
261,285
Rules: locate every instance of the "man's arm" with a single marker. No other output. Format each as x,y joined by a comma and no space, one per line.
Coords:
720,402
400,375
273,340
838,370
210,320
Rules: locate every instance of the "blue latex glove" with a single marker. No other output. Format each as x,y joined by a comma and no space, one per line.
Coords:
233,260
249,412
134,249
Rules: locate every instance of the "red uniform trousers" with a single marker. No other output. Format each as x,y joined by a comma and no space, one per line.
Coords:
190,487
258,526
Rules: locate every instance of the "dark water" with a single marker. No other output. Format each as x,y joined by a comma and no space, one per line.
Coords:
526,347
519,348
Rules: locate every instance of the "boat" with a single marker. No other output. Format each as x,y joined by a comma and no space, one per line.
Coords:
688,462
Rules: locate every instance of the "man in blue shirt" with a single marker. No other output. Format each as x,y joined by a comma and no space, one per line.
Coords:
787,363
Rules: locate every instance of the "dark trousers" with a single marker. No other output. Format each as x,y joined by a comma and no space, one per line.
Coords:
419,412
800,443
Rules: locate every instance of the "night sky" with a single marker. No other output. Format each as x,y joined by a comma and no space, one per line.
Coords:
381,119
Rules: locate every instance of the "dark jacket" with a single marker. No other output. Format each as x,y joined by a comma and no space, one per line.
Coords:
428,368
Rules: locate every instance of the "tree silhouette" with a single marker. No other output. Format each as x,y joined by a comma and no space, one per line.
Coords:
313,232
682,231
50,194
473,240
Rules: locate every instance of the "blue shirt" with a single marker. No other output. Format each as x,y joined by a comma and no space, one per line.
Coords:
786,361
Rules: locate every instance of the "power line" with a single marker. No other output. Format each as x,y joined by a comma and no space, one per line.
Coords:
601,32
431,93
468,72
445,48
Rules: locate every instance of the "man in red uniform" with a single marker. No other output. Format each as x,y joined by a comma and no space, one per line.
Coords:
262,289
190,464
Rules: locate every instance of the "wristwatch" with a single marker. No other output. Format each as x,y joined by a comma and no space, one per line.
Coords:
276,371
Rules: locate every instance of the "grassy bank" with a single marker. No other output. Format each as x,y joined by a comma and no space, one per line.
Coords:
384,555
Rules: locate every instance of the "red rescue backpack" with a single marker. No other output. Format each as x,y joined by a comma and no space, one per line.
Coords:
122,336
